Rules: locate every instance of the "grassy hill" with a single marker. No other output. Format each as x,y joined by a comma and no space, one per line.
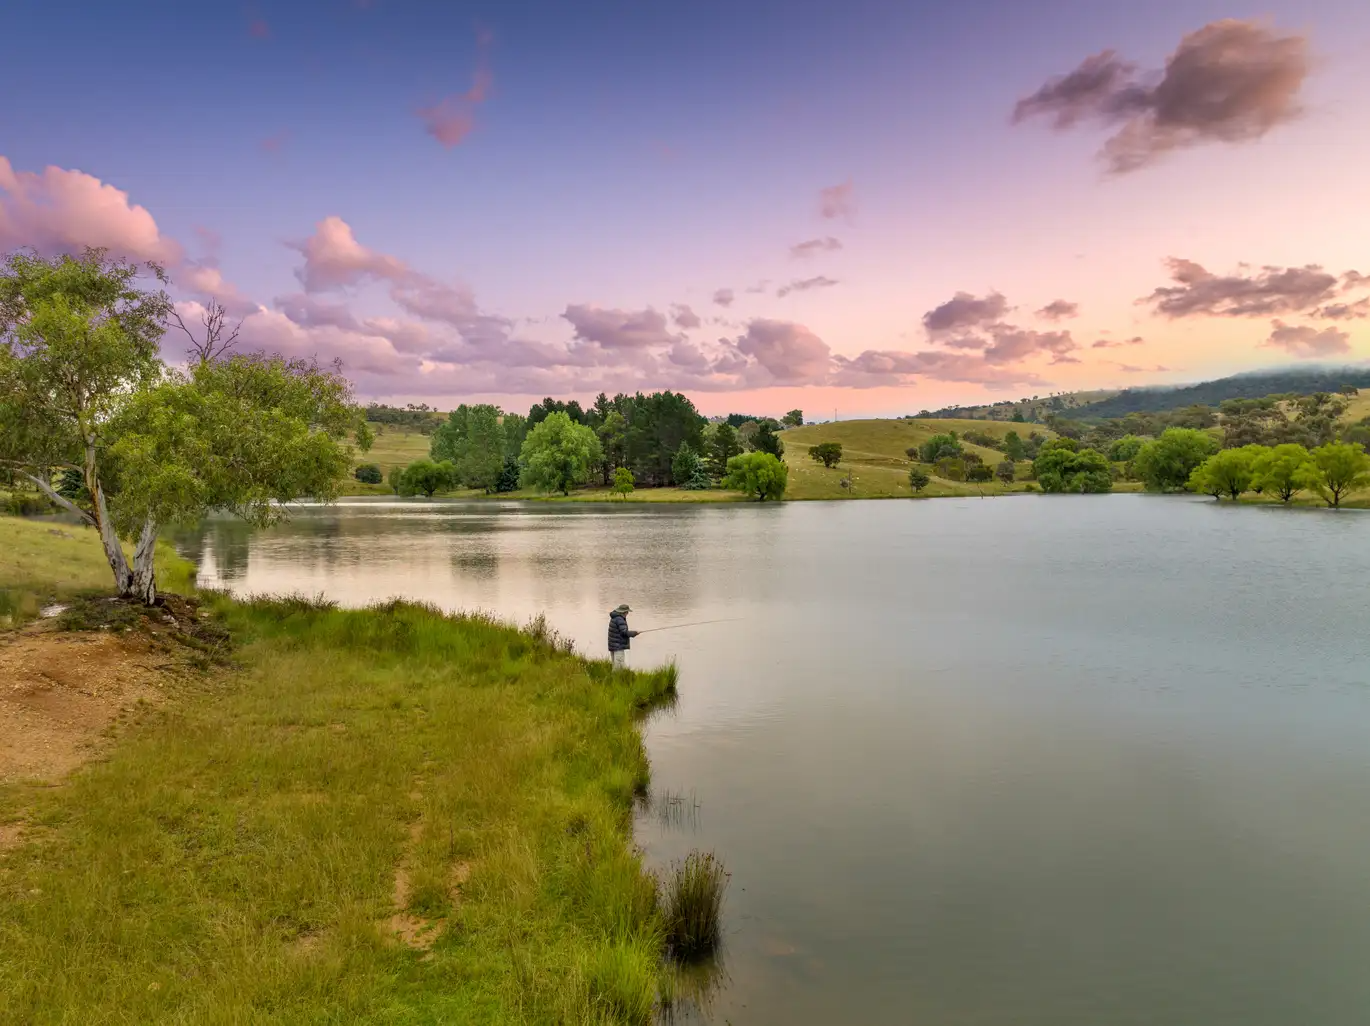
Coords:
873,453
1031,410
1238,386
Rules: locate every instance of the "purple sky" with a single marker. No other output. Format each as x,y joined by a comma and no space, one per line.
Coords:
866,207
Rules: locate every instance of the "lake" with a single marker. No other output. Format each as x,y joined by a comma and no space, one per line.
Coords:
1031,761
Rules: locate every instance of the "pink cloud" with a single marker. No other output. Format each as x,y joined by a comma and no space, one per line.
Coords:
619,329
1305,342
58,211
1113,343
258,29
789,353
685,317
809,247
836,201
333,258
964,311
724,297
452,118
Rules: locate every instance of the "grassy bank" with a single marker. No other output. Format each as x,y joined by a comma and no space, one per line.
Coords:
387,815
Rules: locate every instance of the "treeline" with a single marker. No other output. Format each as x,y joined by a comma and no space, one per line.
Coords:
656,440
1287,384
414,417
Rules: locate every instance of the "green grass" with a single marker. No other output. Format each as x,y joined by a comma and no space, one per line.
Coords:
392,447
234,859
692,906
42,561
873,453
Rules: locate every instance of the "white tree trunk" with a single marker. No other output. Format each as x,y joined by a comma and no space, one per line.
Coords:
109,537
144,578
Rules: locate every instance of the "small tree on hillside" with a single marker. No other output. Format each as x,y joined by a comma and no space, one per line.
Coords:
623,482
919,479
827,453
940,447
395,478
559,454
795,418
759,474
1006,472
368,473
83,388
913,453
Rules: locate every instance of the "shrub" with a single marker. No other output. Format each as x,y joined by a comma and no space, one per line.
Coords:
939,447
759,474
1006,472
979,473
919,479
827,453
368,473
509,475
692,905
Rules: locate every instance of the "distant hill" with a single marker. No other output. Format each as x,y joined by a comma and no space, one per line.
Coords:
1033,410
1255,385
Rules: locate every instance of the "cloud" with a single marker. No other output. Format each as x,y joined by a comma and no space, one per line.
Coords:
1128,368
790,353
1231,81
685,317
759,287
836,201
57,211
620,329
724,297
1305,342
1114,343
1344,311
452,118
809,247
964,311
1272,290
1059,310
333,258
1013,345
821,281
884,367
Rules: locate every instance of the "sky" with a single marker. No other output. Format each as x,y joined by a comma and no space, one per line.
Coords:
855,208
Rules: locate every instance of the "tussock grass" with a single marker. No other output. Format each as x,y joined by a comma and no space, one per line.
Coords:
238,856
692,905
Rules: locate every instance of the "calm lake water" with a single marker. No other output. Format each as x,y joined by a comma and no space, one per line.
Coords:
1039,761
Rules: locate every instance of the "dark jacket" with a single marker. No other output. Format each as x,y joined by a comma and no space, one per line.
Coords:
619,632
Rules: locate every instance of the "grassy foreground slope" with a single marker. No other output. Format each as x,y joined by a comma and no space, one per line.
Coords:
383,815
873,453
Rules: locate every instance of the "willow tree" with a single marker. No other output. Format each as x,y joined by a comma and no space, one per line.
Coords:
84,394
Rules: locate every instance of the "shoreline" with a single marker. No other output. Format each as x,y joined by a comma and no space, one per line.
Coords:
341,813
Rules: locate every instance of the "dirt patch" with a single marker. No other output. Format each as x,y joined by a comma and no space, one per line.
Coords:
10,835
60,691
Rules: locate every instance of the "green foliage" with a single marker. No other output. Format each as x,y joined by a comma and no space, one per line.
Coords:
767,441
1013,446
686,465
983,440
1284,471
426,478
723,446
913,453
1229,472
979,474
1125,449
559,454
1337,468
368,473
1006,472
516,428
509,475
827,453
757,473
952,468
395,479
1166,463
472,440
1211,393
1062,466
418,417
623,482
919,479
940,447
795,418
613,440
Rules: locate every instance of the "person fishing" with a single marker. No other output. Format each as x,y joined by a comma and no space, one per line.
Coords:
620,636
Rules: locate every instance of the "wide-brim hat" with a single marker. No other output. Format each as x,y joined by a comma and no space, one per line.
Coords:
625,608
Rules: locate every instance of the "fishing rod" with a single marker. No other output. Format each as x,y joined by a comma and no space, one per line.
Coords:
697,623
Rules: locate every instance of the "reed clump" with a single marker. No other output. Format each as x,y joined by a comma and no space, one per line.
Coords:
692,905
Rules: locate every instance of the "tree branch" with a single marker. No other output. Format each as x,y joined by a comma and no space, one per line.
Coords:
58,498
214,345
